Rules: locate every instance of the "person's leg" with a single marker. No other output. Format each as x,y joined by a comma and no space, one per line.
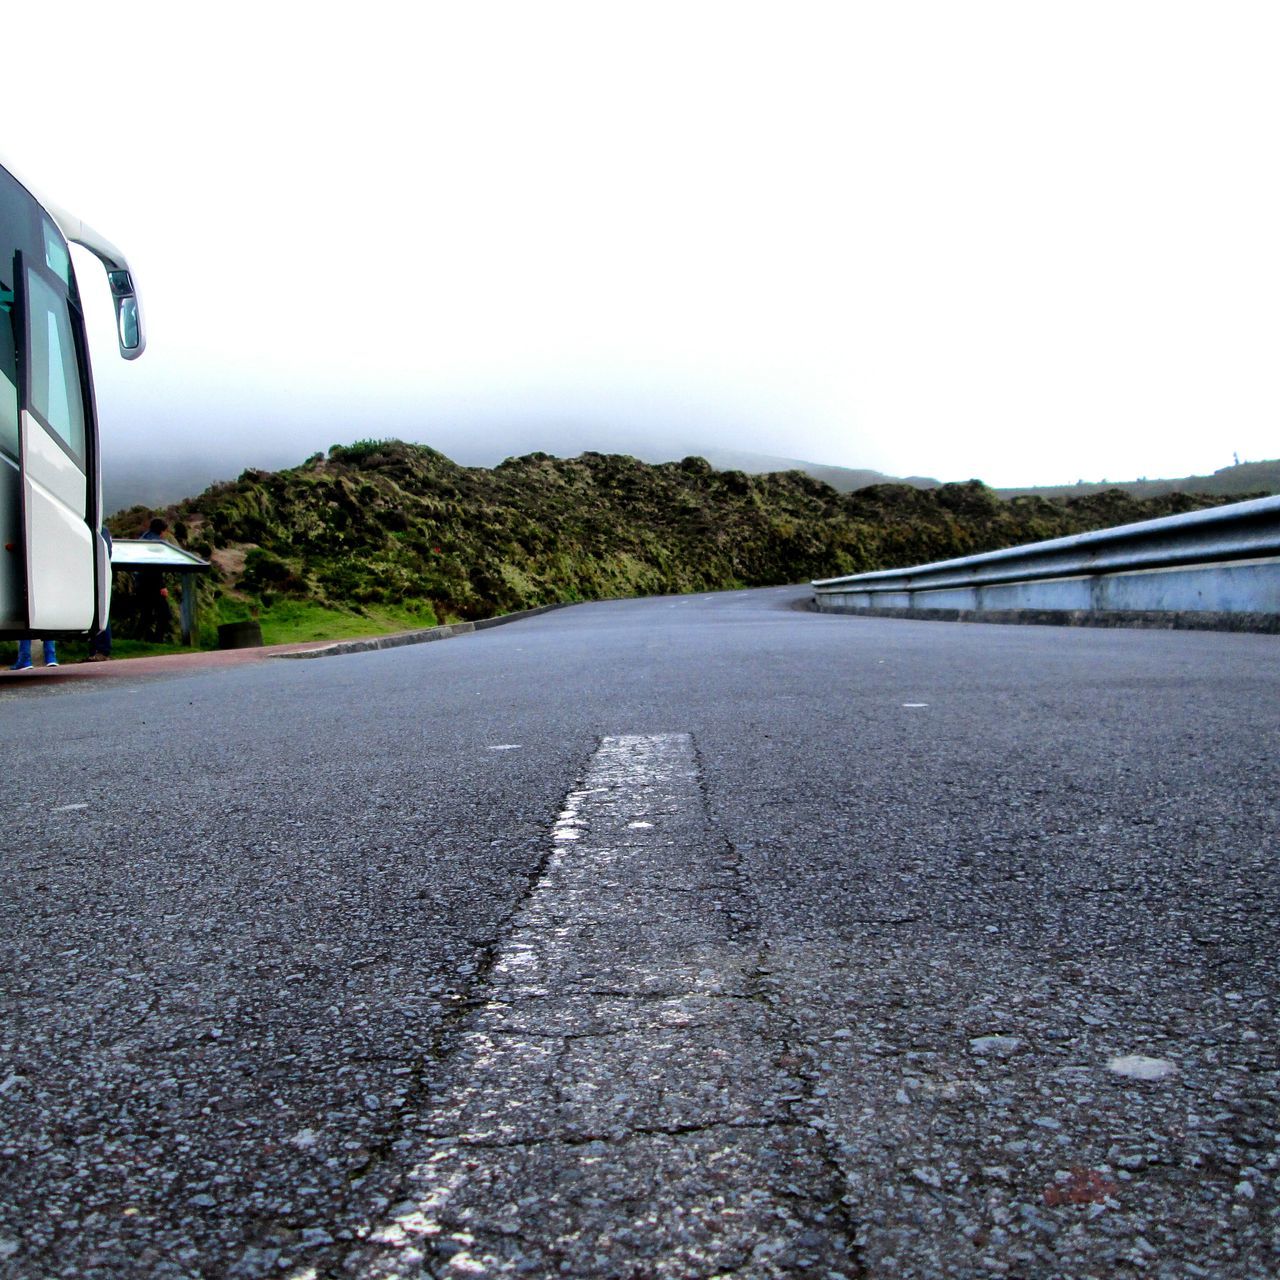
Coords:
100,645
50,654
24,656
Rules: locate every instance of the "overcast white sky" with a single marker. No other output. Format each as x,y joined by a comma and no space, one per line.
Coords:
1026,241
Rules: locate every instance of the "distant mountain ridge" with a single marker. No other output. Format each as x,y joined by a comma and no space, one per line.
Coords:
841,479
1244,479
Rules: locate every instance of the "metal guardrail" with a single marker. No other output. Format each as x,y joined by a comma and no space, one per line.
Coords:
1221,560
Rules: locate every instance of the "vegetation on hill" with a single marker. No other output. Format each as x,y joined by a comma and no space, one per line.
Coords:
397,534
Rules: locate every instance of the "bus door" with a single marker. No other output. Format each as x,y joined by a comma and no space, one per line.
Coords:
56,444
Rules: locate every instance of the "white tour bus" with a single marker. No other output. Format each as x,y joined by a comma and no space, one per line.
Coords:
55,571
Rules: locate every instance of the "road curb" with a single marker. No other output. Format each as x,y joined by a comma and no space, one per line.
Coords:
425,636
1145,619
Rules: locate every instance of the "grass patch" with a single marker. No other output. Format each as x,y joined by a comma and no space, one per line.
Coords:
295,621
288,622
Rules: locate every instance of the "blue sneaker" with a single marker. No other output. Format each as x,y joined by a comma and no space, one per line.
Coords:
22,666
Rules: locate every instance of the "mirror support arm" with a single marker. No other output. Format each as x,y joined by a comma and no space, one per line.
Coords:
129,331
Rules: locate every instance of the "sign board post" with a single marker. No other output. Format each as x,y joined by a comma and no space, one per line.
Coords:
133,554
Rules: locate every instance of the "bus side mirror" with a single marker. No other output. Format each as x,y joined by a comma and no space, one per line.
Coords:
128,315
130,334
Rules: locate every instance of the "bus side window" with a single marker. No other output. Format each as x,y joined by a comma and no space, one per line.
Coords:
55,392
56,256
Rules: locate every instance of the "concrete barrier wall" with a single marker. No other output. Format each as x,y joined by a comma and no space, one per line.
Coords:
1214,568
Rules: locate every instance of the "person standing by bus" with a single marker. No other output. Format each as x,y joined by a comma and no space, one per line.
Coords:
24,662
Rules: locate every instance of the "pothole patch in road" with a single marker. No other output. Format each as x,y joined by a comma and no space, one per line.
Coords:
622,1101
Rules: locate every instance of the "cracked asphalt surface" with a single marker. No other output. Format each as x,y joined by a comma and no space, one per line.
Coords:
684,937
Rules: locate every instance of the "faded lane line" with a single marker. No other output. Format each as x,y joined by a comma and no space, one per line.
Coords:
622,1103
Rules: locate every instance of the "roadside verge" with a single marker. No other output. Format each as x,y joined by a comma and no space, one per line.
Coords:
199,660
424,636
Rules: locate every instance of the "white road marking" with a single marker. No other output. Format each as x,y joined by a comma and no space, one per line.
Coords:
619,1062
1138,1067
67,808
507,746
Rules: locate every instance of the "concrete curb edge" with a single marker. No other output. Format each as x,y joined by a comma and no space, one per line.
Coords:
1161,620
445,632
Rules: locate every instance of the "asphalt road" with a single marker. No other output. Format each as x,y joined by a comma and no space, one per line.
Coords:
685,937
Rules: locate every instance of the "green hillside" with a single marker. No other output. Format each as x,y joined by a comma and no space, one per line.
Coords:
397,534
